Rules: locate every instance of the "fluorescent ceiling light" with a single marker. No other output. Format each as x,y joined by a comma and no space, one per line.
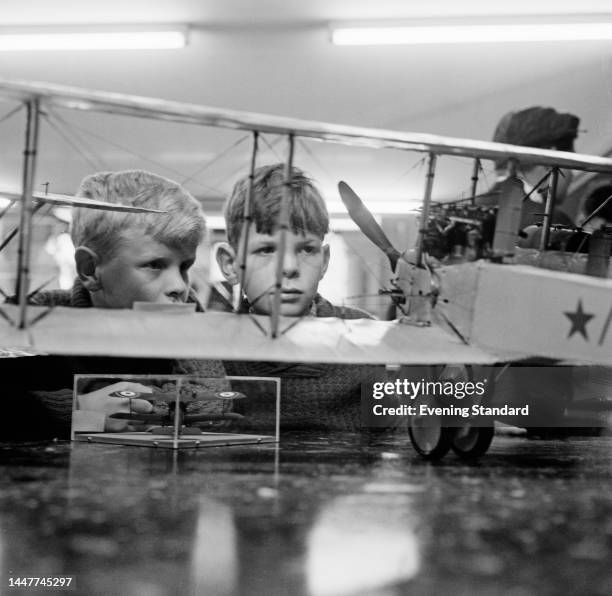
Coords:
473,33
94,40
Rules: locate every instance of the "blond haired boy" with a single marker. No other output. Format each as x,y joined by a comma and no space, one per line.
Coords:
121,258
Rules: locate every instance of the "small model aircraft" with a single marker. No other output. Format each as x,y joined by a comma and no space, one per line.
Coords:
177,415
67,201
476,311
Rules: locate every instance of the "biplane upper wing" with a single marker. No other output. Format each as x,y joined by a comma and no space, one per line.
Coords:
158,109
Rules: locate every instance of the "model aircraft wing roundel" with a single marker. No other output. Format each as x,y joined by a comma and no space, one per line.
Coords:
230,395
127,393
170,397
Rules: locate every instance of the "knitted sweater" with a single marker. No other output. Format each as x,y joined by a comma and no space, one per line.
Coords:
313,396
37,390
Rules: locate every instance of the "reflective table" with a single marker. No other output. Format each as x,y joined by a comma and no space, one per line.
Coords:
319,514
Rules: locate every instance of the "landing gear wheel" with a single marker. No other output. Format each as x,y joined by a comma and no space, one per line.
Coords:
470,442
428,435
429,438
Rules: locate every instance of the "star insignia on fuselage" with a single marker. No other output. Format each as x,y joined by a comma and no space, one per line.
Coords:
579,320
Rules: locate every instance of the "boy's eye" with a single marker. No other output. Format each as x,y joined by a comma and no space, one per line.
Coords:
156,264
265,250
309,249
186,265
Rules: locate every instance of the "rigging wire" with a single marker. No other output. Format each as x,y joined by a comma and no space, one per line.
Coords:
14,232
417,164
317,161
11,113
236,171
589,217
7,208
214,159
132,152
7,239
41,287
271,146
73,144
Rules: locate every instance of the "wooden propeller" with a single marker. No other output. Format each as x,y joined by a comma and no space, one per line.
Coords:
361,215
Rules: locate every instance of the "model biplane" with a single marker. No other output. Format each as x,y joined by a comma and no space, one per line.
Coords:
177,416
486,309
166,411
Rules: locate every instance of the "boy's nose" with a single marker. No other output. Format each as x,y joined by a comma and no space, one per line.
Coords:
290,265
175,285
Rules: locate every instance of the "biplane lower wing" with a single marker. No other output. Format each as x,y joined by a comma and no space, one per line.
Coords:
240,337
504,313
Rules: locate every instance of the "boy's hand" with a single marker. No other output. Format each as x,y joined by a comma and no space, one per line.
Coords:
101,402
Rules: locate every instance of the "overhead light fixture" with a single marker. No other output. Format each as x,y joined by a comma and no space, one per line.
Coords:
479,30
87,38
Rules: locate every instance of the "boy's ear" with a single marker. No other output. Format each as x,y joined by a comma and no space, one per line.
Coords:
87,262
227,261
326,253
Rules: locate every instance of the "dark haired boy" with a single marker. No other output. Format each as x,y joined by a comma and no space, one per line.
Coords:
313,395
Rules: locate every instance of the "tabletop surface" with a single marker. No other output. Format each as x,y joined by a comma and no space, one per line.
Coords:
321,514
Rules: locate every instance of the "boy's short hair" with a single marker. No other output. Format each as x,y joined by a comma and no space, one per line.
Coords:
183,223
307,210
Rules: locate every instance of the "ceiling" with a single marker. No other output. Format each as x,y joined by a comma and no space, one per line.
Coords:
274,56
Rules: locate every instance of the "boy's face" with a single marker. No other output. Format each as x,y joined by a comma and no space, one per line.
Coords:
144,270
304,265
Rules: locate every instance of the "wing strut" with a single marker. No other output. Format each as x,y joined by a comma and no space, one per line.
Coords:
27,207
474,179
246,225
431,172
283,226
548,211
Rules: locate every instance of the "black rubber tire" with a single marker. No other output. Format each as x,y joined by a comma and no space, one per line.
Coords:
473,445
430,439
432,446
